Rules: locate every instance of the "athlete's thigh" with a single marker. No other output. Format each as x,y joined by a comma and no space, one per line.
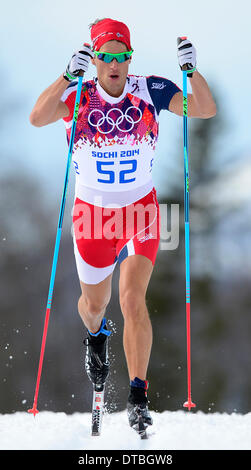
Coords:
98,293
135,274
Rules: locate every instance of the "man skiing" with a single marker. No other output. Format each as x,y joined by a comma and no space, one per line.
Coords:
115,139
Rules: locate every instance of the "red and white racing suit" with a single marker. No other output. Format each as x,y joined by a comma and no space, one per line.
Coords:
116,212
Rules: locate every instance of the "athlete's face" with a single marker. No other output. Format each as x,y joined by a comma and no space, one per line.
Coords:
112,77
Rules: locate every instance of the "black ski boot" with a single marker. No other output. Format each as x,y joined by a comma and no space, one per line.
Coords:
137,407
96,360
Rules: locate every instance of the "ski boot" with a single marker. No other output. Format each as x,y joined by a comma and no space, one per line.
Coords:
97,367
137,408
97,364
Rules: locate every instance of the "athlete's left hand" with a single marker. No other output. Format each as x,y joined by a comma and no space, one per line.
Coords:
187,55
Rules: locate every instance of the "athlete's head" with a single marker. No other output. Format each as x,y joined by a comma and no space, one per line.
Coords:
111,36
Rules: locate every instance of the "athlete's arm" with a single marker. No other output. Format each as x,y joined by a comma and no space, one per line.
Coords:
200,104
48,107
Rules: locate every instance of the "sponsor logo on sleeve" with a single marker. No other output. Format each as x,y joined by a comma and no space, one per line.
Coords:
158,86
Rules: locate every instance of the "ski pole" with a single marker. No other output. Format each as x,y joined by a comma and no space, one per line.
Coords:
34,409
188,404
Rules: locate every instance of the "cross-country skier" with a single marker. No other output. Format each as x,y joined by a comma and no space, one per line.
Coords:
115,139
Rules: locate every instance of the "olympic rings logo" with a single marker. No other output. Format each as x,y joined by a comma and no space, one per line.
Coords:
110,120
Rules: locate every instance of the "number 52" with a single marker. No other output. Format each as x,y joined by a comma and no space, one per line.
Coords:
111,173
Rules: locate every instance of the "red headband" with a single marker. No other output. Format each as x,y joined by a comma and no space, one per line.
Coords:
109,30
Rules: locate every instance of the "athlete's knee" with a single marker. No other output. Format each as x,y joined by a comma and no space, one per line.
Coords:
91,306
133,304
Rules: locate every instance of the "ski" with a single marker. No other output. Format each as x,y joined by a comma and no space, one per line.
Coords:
140,428
139,419
97,410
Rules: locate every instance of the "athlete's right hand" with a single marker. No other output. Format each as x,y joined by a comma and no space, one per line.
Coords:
79,62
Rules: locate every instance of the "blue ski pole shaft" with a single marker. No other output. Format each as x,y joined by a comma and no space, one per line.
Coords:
188,404
63,200
34,410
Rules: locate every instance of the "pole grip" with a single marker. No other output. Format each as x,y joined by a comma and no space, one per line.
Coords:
185,66
180,39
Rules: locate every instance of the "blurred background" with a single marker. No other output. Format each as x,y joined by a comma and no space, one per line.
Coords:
37,40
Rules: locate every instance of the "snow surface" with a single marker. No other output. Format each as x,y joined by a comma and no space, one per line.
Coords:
170,431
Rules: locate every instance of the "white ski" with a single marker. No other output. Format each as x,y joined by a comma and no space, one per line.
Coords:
97,410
